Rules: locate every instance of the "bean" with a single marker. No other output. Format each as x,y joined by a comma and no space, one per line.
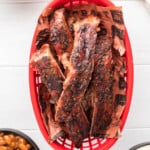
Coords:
3,148
11,142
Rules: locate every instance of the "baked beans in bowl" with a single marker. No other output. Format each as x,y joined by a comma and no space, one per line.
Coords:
12,139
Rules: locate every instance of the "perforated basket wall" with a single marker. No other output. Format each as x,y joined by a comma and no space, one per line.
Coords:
34,81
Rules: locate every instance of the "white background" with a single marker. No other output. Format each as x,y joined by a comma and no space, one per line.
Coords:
17,23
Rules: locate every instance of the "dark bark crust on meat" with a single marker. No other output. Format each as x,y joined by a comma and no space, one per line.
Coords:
51,78
50,72
82,62
76,13
42,38
102,85
60,37
120,100
122,83
44,96
117,32
69,109
52,127
119,63
117,16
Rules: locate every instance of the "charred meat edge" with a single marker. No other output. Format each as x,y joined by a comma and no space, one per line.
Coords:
44,62
53,129
60,37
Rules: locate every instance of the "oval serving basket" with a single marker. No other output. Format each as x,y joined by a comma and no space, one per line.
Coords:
34,80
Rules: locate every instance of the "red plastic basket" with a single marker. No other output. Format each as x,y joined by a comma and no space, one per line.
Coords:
34,80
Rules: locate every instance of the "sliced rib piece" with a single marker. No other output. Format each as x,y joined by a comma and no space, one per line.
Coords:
43,33
119,94
60,36
77,125
105,34
118,29
102,80
42,38
119,87
79,12
82,63
112,90
68,109
87,102
102,83
43,97
54,130
106,21
51,75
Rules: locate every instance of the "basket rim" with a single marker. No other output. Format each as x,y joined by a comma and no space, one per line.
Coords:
130,75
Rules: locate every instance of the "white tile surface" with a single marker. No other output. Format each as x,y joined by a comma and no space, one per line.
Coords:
16,110
17,24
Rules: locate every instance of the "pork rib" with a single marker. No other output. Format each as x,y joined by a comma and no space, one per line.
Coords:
87,102
113,89
119,94
105,34
43,97
51,75
81,67
118,30
102,87
60,36
119,86
79,12
47,112
82,63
